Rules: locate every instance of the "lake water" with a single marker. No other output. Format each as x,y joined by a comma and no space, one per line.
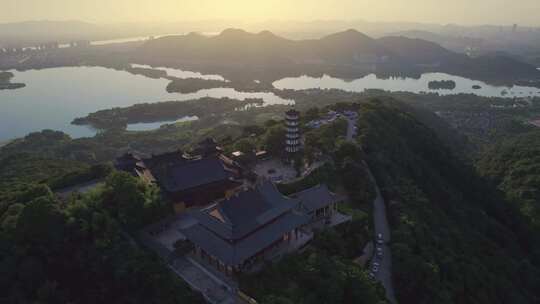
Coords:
178,73
144,38
148,126
53,97
396,84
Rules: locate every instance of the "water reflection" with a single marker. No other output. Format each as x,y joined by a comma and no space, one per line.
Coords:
178,73
148,126
53,97
404,84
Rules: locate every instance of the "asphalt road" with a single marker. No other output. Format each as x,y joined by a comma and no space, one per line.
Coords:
384,274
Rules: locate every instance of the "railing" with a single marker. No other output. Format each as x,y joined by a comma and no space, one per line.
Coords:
292,136
292,117
292,122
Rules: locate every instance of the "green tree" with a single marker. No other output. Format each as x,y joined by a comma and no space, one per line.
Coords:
274,140
312,114
346,149
40,225
245,146
124,197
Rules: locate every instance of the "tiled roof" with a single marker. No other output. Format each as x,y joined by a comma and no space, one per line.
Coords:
317,197
236,253
245,212
193,173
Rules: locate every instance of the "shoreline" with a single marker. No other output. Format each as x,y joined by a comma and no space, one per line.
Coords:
5,142
5,81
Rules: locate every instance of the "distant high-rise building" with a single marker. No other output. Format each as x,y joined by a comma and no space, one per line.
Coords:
292,141
514,28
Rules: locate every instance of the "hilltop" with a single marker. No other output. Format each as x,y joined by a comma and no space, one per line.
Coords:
454,238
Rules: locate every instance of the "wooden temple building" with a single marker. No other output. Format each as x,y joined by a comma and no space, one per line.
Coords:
187,180
237,233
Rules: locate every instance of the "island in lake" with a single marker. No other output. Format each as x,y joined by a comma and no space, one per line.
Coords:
530,83
5,82
442,85
192,85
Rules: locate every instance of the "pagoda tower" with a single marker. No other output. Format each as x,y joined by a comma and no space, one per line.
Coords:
292,141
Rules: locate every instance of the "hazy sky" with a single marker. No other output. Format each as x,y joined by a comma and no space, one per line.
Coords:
523,12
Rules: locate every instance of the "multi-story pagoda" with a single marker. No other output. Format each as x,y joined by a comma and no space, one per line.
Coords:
292,141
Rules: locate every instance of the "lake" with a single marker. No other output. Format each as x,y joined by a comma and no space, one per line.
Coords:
53,97
178,73
148,126
397,84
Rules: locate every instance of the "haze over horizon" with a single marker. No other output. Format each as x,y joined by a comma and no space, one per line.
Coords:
496,12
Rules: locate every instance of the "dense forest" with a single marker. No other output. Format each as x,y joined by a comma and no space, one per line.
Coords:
324,273
514,166
454,238
79,251
458,236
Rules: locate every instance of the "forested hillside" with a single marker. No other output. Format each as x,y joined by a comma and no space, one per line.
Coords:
78,251
514,166
454,238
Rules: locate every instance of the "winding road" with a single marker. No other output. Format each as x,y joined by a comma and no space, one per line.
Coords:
384,274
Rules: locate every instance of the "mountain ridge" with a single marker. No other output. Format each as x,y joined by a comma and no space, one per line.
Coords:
349,49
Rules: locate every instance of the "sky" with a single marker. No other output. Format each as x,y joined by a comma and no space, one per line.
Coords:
500,12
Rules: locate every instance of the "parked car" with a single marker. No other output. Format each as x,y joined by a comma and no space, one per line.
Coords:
380,239
379,252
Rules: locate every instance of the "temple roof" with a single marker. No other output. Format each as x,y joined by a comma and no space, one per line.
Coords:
192,173
236,253
316,197
240,215
127,162
176,171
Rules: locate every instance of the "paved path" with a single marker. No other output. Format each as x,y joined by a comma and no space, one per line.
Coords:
384,275
213,291
351,129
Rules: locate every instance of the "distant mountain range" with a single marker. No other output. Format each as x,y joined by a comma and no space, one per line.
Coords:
349,53
30,33
237,46
349,49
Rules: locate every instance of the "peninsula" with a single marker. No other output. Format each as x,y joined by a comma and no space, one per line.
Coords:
5,82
